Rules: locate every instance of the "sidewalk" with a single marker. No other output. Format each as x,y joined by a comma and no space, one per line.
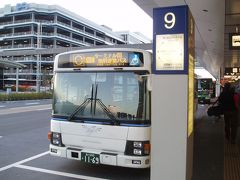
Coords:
208,160
232,160
214,158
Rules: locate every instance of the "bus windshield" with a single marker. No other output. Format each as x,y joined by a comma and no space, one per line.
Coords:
102,97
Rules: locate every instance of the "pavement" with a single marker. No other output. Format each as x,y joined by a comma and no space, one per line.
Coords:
24,148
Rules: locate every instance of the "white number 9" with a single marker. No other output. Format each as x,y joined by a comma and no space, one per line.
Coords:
169,20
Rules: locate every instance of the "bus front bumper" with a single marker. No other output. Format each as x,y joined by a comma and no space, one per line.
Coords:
105,158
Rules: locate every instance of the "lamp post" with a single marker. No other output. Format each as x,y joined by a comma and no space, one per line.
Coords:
17,79
39,42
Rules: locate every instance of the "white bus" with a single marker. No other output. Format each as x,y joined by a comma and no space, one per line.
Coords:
101,107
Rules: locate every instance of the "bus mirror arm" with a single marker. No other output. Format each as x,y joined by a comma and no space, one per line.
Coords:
149,81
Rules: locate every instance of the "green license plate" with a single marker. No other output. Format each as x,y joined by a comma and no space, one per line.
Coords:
90,158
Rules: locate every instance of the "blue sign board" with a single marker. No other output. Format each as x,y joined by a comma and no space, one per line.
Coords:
170,40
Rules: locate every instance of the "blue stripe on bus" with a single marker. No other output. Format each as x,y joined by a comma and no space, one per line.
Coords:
106,123
135,125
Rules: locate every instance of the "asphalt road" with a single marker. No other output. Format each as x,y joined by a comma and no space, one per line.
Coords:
24,149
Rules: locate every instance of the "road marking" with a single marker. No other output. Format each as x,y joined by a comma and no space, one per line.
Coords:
0,137
19,165
58,173
23,161
32,103
43,109
24,109
2,106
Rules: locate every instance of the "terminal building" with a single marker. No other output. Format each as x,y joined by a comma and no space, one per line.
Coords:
38,26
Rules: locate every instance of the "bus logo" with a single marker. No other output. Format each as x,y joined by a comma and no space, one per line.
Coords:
91,129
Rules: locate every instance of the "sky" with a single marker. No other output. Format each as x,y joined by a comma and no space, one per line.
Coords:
120,15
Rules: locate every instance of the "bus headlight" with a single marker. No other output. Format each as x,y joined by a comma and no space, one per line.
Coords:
56,139
137,148
137,144
137,152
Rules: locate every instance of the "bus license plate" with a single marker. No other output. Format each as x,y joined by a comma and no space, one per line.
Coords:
90,158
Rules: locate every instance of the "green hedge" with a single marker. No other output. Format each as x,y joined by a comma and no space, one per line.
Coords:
24,96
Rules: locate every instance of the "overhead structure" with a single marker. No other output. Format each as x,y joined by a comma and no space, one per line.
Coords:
209,24
6,63
10,64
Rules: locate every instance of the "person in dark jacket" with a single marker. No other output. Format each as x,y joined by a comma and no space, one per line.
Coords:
226,101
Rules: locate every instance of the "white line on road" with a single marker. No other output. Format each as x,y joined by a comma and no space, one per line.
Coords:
58,173
2,106
23,161
32,103
24,109
0,137
43,109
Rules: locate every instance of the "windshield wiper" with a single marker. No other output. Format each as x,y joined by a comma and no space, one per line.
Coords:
104,108
108,113
82,106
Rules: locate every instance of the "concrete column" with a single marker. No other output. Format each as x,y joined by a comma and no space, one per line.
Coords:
218,86
55,31
173,94
54,43
55,18
33,17
32,42
83,39
13,31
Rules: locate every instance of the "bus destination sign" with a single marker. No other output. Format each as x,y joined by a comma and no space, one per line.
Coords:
101,59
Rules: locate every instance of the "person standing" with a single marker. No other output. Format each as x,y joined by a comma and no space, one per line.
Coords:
226,101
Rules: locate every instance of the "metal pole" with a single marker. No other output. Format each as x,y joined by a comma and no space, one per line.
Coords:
17,79
38,78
